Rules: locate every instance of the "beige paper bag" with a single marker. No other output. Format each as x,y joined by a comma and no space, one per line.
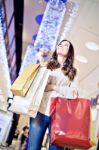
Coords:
24,80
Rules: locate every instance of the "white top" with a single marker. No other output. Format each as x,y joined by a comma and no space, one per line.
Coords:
66,89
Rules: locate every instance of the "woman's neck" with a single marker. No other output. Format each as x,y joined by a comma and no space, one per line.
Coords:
61,60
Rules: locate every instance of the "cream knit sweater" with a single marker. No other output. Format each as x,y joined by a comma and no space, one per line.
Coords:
65,88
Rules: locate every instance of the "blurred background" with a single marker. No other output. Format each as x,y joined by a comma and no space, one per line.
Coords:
29,26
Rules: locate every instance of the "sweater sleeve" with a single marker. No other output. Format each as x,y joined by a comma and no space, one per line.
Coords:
68,91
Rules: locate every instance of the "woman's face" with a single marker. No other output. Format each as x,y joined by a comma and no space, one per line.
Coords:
62,48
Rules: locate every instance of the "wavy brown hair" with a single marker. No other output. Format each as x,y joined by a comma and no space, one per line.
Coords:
68,68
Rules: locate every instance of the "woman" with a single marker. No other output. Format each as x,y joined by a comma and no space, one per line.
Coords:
61,83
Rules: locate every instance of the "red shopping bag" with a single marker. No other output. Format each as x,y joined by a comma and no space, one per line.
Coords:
70,122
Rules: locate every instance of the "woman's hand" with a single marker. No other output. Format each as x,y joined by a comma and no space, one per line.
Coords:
50,87
43,64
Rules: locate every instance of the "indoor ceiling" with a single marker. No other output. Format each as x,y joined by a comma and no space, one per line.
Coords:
84,29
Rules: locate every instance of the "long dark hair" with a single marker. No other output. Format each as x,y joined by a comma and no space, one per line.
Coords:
68,68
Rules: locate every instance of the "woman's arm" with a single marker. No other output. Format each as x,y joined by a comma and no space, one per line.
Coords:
66,91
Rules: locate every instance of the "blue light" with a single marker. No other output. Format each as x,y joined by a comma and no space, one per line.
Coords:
45,56
34,37
39,18
64,1
46,0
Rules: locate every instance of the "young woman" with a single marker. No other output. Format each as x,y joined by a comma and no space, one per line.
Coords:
61,83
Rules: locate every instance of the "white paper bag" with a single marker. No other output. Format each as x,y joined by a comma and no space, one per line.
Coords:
3,102
29,104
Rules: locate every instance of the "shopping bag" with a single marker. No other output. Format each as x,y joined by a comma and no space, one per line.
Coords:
29,104
3,102
70,122
92,131
24,80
